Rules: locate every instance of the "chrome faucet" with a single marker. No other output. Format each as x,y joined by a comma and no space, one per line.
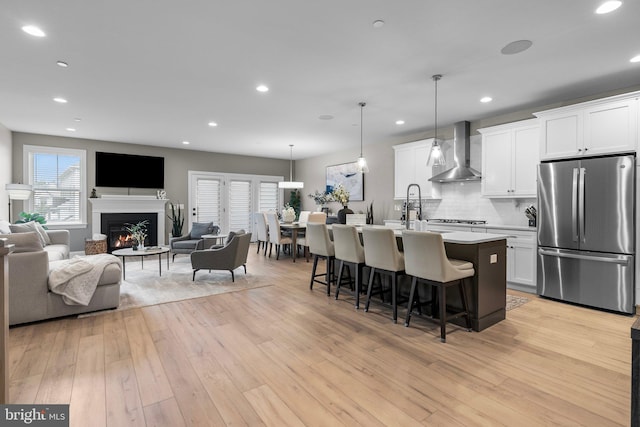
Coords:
406,214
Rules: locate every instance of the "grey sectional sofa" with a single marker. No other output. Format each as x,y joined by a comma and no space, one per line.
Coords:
29,297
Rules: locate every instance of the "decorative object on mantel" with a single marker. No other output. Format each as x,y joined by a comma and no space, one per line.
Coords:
139,233
288,213
341,195
162,195
93,195
177,220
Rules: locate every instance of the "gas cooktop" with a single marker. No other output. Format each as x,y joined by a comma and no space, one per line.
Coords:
458,221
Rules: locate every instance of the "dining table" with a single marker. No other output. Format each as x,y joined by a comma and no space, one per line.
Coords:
295,227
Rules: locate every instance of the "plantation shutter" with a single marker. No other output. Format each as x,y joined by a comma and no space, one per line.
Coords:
208,200
268,200
240,205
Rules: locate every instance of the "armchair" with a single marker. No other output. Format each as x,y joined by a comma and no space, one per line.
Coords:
231,256
192,241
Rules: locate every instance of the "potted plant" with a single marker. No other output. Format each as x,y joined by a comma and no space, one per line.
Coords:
28,217
320,199
341,195
138,232
177,220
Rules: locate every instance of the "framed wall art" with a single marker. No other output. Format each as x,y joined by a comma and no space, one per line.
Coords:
346,174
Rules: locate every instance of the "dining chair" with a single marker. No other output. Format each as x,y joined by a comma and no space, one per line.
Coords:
427,262
262,231
321,246
350,252
381,253
275,234
303,217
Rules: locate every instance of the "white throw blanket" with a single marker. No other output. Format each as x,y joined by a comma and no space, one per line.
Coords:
76,279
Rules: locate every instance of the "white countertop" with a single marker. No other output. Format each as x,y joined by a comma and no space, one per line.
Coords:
476,226
463,237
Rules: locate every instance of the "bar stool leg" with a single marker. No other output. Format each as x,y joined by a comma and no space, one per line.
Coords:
313,270
394,296
340,271
442,290
465,304
369,288
407,318
359,269
329,275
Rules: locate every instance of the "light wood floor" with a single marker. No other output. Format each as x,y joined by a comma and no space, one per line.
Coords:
282,355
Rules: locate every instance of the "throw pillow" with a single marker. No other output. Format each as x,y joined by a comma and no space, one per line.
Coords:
31,226
200,228
24,242
4,227
43,233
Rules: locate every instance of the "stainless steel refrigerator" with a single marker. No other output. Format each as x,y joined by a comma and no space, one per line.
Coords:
586,231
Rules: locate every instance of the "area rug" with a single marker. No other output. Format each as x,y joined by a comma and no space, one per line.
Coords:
514,301
144,287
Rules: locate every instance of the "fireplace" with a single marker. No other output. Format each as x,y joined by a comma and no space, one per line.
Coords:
113,225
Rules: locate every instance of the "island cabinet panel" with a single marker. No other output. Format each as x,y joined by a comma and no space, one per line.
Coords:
487,290
603,126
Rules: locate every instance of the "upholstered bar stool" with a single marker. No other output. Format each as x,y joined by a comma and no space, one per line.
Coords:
349,251
426,261
316,217
381,253
275,235
321,246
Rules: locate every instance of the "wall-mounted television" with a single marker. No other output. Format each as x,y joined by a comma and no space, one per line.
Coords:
129,171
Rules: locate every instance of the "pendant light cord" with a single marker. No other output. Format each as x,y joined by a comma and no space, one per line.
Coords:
435,78
362,104
291,163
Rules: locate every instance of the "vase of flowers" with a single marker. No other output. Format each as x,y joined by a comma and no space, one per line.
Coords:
341,195
320,199
288,213
138,233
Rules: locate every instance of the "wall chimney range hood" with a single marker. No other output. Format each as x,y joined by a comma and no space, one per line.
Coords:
462,171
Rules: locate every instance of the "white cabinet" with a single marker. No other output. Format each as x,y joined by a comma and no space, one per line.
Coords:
604,126
509,159
411,168
521,259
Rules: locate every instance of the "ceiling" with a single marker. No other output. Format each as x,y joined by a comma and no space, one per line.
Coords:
156,72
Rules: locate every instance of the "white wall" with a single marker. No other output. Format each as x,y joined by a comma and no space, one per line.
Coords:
5,169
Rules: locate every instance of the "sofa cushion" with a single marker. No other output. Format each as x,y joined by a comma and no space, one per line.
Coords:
57,252
4,227
200,228
32,226
24,242
111,274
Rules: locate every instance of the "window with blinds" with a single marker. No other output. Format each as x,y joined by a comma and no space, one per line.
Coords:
58,177
240,205
208,200
269,196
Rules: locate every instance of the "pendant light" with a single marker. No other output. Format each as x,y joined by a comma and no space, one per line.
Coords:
436,156
291,183
362,162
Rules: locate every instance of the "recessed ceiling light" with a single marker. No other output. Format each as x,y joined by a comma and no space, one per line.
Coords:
635,59
77,119
325,117
71,129
516,47
399,122
262,88
33,31
62,64
213,124
378,23
486,99
60,100
186,142
608,6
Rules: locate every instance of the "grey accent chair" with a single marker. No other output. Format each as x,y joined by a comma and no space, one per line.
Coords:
192,241
229,257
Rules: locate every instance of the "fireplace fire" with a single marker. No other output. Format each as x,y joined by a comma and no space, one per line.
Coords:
113,225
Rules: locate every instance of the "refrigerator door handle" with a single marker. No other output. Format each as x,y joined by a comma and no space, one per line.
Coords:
574,206
622,260
581,210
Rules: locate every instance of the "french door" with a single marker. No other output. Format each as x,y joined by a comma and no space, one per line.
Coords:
229,200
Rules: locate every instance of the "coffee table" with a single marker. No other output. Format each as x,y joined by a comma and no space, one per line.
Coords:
124,253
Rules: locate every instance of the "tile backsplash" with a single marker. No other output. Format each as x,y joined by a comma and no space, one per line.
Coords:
463,201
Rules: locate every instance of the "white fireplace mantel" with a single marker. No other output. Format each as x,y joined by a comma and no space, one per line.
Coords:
128,204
